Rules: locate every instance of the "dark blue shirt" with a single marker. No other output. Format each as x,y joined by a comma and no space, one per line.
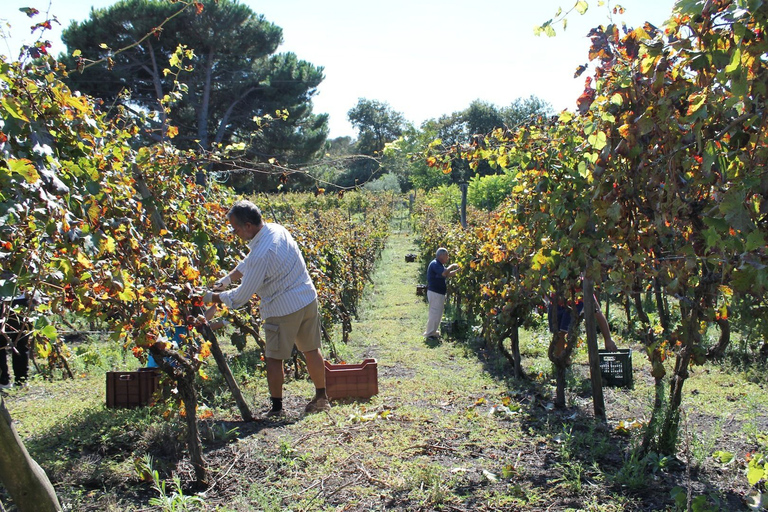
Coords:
435,279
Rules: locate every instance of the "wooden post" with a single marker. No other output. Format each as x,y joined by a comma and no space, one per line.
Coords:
463,187
221,363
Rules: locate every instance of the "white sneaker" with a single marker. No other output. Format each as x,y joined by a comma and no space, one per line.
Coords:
6,386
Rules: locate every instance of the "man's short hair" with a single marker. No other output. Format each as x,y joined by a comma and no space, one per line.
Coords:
244,212
441,251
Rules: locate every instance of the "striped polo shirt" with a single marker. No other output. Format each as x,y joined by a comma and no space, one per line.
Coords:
275,271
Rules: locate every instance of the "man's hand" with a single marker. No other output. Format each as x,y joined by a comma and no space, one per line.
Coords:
221,284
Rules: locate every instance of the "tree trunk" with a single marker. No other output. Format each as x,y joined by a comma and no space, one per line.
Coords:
628,314
658,372
637,298
691,338
25,480
514,357
717,351
560,368
221,362
562,360
661,306
224,123
464,187
148,201
202,115
183,372
188,394
515,338
155,72
598,400
650,436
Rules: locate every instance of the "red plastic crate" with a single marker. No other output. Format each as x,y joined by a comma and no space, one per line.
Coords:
131,389
352,380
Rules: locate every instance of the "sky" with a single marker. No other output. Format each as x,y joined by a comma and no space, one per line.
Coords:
425,58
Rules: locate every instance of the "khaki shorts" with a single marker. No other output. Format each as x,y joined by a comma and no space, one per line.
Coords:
301,328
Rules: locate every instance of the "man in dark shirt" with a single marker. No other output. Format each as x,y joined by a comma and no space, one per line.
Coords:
436,289
14,338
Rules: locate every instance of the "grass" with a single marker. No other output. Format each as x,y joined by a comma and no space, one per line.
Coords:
433,438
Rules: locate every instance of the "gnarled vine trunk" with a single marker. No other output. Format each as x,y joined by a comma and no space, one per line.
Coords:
188,394
661,305
691,338
562,360
637,299
183,373
513,357
717,351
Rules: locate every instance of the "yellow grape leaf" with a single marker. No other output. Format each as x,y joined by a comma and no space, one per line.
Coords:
127,294
726,290
647,64
78,103
109,245
12,107
172,132
83,260
94,212
25,168
695,102
187,270
624,130
43,349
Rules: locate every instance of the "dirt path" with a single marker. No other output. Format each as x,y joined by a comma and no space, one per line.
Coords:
429,439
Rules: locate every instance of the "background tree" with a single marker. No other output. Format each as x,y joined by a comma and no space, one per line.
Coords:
377,125
235,80
465,127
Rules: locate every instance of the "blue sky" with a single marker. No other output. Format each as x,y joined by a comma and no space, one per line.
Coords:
425,58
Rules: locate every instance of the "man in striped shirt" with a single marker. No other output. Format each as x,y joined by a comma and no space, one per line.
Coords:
274,269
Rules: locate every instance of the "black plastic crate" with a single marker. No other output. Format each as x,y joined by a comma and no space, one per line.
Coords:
616,367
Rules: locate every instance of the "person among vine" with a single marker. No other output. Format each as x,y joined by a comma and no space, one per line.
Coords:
559,316
437,273
274,269
14,338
